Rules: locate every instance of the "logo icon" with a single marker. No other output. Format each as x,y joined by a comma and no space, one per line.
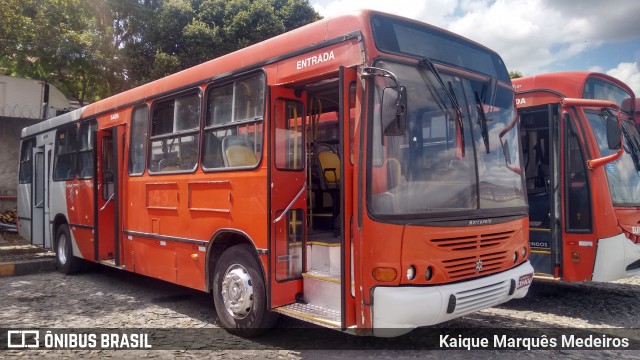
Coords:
23,339
478,265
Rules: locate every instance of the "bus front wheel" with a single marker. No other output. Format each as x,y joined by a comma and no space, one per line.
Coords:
239,293
65,261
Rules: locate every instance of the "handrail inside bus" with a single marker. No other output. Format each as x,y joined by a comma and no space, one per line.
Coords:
107,203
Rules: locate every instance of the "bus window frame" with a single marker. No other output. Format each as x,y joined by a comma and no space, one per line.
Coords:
259,121
145,141
302,132
26,151
579,132
57,154
92,150
196,132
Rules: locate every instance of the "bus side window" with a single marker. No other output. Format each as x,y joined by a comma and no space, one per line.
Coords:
26,168
174,140
233,125
85,156
64,167
138,140
578,203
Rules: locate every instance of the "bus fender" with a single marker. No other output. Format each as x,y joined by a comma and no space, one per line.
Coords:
222,240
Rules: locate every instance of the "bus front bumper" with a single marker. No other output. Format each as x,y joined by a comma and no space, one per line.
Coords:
616,258
398,310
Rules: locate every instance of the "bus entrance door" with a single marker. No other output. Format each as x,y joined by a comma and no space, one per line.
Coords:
38,223
540,134
109,155
288,194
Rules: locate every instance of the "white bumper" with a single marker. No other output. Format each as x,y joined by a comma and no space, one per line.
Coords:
397,310
613,256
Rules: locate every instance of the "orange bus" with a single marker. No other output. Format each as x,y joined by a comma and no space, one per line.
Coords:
583,183
361,172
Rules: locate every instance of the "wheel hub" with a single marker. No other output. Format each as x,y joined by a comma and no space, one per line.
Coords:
62,248
237,291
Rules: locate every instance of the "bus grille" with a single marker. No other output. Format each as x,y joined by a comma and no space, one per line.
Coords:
481,241
468,266
469,301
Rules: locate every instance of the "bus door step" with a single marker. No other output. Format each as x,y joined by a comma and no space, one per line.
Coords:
322,288
323,256
312,313
109,262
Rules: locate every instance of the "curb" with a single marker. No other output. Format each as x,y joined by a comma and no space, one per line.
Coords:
26,267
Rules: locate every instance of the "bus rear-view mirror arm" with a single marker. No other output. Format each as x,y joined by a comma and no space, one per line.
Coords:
393,112
614,130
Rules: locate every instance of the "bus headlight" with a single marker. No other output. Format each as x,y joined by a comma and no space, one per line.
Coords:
515,256
411,272
428,273
523,252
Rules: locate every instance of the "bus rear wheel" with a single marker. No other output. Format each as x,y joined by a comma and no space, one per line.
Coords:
239,293
65,261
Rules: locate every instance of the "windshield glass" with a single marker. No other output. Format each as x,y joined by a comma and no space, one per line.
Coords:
596,88
622,174
425,170
399,36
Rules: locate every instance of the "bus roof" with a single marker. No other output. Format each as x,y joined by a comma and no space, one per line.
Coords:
569,84
300,41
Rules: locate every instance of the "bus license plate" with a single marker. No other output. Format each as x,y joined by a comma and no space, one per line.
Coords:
525,280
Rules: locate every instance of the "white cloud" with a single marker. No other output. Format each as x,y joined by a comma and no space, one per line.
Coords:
532,36
435,12
629,73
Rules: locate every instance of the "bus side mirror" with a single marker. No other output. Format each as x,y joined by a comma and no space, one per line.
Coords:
613,133
394,111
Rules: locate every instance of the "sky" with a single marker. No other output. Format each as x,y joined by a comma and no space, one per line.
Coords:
532,36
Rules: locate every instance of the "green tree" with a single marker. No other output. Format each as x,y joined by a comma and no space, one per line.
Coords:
185,33
64,43
514,74
92,49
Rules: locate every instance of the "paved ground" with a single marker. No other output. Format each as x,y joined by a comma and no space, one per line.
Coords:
108,298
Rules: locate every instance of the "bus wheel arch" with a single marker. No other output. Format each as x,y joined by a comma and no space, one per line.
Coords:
219,243
58,221
238,285
65,261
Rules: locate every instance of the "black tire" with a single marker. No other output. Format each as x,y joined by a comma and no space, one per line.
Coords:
245,313
65,261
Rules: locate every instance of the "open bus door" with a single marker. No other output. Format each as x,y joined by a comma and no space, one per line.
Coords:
541,137
348,88
38,218
106,195
288,195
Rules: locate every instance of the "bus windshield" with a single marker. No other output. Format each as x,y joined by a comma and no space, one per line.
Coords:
596,88
623,174
426,169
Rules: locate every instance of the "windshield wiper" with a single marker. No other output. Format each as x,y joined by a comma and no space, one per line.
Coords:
429,65
482,119
634,146
631,142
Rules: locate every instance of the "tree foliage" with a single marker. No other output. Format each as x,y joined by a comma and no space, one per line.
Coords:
514,74
92,49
